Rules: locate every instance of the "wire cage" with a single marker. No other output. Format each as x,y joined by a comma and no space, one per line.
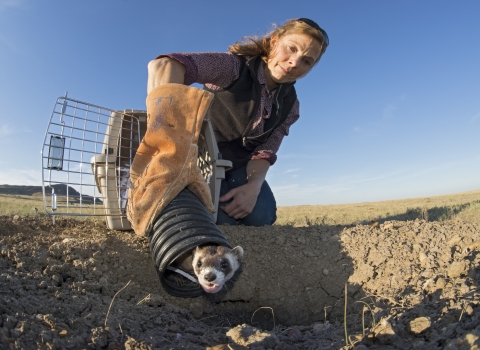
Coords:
86,158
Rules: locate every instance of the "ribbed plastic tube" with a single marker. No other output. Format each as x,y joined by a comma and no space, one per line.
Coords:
183,225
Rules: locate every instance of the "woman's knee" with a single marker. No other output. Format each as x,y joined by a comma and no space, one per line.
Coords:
265,210
266,217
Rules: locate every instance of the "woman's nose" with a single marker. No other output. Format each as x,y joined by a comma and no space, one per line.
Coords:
294,61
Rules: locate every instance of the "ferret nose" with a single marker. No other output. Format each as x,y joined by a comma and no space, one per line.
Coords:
210,277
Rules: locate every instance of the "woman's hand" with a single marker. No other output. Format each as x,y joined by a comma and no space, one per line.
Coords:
245,197
244,200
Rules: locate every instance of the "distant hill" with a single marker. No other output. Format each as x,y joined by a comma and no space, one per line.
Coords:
59,189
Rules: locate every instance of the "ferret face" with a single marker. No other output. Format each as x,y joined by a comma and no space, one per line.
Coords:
215,265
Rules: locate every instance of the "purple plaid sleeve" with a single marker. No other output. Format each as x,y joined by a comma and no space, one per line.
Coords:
213,68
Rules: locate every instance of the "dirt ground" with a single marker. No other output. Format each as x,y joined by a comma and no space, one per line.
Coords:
409,285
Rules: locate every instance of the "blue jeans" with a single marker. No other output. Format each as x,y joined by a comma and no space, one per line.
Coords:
265,210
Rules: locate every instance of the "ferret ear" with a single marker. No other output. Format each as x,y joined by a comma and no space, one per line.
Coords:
238,251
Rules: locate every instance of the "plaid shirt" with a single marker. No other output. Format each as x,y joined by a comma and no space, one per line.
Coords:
218,70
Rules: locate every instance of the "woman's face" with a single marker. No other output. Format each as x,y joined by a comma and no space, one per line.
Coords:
291,58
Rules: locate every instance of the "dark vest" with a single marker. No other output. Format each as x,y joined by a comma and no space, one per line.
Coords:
233,110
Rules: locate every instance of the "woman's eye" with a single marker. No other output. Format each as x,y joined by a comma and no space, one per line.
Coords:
307,62
292,48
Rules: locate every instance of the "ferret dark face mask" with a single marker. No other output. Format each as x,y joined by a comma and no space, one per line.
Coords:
215,265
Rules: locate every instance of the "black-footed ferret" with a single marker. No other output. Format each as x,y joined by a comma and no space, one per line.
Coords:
212,265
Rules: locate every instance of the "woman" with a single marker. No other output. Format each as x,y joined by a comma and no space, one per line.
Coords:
253,107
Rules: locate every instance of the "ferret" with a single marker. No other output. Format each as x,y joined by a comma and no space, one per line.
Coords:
213,265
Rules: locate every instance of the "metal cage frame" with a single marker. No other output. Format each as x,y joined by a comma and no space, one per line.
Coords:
86,157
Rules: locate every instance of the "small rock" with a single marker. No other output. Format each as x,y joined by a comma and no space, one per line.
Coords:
320,327
419,324
325,272
294,334
441,283
384,332
246,335
422,257
196,309
457,268
56,280
470,341
388,226
469,310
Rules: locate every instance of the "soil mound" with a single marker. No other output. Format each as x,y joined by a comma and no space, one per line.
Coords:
409,285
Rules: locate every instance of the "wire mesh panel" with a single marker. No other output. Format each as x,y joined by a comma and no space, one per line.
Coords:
86,158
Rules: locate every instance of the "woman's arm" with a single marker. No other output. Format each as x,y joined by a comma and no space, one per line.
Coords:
213,68
164,70
245,197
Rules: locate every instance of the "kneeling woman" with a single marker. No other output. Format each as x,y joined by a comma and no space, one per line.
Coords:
254,105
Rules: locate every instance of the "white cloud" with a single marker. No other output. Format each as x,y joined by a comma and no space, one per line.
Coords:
26,177
6,130
6,4
291,170
475,118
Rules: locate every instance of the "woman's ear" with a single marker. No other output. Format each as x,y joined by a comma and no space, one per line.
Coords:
273,41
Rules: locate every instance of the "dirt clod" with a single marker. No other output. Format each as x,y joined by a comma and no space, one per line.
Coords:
419,325
249,336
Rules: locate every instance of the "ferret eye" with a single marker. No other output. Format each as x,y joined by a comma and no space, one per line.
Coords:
199,264
224,265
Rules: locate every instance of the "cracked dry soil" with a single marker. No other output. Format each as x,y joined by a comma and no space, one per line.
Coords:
410,285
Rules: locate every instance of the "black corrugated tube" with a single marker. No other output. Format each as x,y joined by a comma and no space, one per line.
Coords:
183,225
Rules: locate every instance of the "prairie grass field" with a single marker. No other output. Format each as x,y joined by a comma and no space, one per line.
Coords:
464,206
24,205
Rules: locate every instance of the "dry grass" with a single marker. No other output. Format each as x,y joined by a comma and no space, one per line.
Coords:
464,206
21,205
24,205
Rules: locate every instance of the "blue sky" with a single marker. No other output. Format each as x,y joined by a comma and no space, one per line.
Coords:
392,111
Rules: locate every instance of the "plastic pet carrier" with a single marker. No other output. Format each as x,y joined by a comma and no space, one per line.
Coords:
86,158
